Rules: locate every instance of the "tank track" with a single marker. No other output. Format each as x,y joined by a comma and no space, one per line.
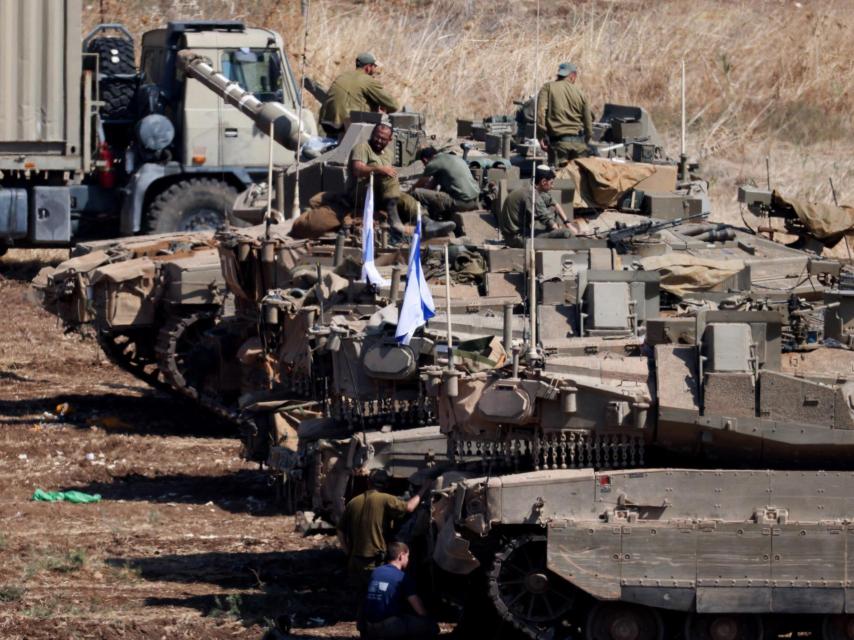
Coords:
122,349
531,584
170,352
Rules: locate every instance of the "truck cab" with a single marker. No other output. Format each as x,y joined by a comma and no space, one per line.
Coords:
115,149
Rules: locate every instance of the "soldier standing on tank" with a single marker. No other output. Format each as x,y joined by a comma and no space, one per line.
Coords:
375,157
446,186
515,215
366,519
564,124
355,90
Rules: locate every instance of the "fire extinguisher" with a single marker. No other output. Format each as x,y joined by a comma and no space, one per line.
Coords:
106,175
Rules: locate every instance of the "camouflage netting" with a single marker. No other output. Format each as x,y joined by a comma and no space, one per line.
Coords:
827,222
682,273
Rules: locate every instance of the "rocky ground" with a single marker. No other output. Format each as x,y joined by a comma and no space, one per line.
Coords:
185,542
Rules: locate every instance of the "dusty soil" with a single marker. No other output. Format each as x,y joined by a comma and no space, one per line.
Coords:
186,542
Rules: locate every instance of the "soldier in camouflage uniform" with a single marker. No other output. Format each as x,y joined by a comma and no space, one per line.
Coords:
564,124
514,217
375,157
447,184
355,90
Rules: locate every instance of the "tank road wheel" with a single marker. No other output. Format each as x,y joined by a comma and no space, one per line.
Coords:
723,626
191,205
838,627
623,621
133,352
180,354
524,591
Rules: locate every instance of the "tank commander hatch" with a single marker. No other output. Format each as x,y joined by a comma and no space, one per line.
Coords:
355,90
564,123
514,217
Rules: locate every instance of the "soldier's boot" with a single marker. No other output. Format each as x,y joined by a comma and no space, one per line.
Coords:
398,231
433,229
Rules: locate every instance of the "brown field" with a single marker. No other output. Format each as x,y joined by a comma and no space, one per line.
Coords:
185,543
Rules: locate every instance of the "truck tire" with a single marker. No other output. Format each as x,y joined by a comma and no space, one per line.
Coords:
191,205
116,57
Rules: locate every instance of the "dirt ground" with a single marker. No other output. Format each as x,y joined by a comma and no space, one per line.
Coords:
185,542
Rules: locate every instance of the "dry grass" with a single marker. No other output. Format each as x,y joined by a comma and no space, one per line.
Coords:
766,78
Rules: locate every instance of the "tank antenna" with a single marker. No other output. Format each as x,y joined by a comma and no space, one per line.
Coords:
448,310
683,156
532,263
295,207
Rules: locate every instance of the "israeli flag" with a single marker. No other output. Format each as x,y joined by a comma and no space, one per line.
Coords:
417,307
369,269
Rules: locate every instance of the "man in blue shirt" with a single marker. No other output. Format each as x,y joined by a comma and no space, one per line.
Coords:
391,599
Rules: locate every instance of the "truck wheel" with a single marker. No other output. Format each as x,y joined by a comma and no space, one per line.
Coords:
191,205
116,58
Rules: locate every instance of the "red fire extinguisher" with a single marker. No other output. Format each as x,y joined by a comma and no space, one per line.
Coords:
106,176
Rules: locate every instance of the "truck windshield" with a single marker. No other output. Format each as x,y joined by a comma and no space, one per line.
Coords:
256,70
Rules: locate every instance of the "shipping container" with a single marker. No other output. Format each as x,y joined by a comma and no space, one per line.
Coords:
40,85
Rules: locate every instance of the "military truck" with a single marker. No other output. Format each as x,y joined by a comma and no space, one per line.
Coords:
92,146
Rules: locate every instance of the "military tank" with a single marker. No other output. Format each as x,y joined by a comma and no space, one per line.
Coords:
647,471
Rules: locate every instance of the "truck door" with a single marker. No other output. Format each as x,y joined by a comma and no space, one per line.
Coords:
201,125
259,71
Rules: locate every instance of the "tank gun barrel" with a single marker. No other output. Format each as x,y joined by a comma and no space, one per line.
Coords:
287,129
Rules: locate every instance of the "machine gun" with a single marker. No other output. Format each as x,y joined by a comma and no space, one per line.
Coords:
622,235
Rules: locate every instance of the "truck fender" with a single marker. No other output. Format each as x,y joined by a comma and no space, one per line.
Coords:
137,187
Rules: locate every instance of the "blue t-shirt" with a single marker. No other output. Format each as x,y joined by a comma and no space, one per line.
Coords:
388,589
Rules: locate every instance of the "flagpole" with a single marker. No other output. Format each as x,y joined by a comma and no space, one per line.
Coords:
532,263
447,304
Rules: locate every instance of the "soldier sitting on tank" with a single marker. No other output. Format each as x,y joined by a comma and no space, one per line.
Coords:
564,124
355,90
514,217
392,609
328,211
366,519
446,186
374,157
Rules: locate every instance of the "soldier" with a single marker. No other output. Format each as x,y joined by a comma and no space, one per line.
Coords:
355,90
375,157
365,519
447,184
564,125
390,597
513,220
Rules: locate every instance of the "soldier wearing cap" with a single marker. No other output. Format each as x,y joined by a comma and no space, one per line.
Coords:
366,519
356,90
564,124
514,217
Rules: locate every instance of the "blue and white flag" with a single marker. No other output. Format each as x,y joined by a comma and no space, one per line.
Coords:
369,269
417,307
